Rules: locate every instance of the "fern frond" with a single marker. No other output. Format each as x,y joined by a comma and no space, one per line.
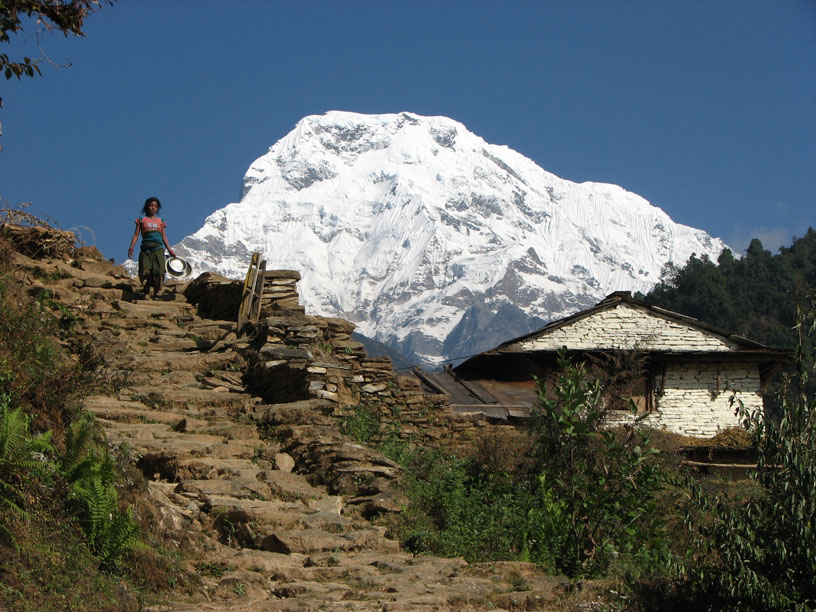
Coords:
120,537
13,432
78,444
8,538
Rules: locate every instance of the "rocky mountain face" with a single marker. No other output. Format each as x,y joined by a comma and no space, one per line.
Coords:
432,241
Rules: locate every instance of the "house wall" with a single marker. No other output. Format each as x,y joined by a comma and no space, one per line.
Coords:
628,327
696,398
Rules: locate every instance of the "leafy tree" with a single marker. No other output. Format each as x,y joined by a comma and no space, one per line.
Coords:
755,296
599,482
66,16
762,555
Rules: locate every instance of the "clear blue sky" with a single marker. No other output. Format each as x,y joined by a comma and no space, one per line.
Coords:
707,109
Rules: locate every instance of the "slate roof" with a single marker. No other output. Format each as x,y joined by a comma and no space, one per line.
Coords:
624,297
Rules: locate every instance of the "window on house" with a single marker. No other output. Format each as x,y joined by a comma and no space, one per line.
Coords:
638,389
627,376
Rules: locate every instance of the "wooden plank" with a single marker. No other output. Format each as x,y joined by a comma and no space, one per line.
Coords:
246,294
257,293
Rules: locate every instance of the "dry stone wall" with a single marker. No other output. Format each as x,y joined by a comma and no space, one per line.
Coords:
298,356
696,397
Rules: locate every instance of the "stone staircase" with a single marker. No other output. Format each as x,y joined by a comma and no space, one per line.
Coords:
278,509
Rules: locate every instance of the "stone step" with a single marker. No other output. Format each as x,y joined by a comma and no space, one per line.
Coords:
117,430
128,411
289,486
240,488
178,343
250,529
157,309
219,426
219,384
326,591
152,360
326,573
168,446
304,412
203,468
180,396
308,541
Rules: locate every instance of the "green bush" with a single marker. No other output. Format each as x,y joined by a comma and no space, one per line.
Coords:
456,510
361,423
583,501
22,458
762,554
599,484
91,474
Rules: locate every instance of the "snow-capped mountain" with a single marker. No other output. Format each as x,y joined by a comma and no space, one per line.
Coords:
431,240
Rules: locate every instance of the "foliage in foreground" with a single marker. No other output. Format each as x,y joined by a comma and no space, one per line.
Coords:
458,510
582,502
762,555
604,479
577,499
20,454
67,16
55,476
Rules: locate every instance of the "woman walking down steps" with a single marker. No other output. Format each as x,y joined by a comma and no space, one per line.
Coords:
151,254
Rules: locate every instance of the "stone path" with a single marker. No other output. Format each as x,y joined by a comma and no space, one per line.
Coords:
271,538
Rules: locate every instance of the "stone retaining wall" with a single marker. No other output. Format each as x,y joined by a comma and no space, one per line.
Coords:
298,356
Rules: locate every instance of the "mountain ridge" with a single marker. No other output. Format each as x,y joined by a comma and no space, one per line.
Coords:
402,224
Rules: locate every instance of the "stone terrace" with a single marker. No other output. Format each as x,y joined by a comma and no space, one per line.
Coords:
245,465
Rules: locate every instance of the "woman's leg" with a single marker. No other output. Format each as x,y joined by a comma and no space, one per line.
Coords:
145,275
158,271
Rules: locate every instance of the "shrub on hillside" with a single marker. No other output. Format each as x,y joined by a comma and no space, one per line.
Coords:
570,496
598,484
762,554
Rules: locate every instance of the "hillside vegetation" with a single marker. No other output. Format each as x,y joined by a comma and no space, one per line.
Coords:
755,296
66,537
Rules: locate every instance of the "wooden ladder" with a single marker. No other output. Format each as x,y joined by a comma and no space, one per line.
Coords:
250,309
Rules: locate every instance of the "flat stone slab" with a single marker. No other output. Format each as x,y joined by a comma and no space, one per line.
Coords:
309,541
134,431
326,574
289,486
305,541
234,487
134,412
173,445
267,562
215,467
152,308
183,395
304,412
180,343
327,521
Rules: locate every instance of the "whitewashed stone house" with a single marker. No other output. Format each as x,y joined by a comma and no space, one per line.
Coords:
689,370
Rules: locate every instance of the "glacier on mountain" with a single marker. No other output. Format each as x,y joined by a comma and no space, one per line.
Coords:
434,242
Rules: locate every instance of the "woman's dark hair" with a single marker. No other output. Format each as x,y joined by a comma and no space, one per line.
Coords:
147,203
